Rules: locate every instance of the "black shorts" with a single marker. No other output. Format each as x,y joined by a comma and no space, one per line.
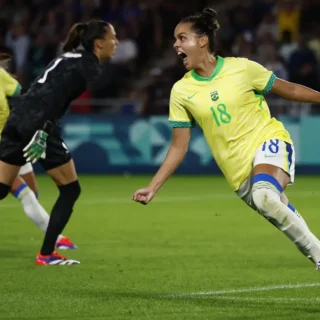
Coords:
13,142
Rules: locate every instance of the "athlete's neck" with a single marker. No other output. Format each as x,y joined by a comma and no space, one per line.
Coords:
96,54
206,68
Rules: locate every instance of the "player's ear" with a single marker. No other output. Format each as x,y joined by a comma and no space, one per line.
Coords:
99,43
203,41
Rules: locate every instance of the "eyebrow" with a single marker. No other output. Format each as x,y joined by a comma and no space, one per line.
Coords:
180,34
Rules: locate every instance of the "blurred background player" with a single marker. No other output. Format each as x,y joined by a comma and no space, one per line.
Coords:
253,150
24,187
35,119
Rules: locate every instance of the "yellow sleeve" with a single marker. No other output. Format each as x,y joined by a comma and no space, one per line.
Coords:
10,85
260,78
179,116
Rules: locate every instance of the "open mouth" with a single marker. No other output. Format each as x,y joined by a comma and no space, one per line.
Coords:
183,56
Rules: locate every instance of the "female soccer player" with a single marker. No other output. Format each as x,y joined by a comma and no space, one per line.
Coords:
253,150
24,187
32,129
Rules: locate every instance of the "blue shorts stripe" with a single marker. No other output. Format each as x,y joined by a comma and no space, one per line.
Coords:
267,178
290,153
17,192
291,207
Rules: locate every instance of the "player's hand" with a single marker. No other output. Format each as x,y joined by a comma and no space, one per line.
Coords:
144,196
36,148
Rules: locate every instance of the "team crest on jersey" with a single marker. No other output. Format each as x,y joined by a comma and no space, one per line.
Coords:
214,95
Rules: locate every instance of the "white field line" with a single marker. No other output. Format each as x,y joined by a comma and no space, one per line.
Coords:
246,290
265,299
163,199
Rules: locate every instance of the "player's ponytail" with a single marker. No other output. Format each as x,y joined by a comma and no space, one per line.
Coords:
74,37
85,34
205,23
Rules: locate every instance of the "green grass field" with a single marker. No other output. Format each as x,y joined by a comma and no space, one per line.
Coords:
196,252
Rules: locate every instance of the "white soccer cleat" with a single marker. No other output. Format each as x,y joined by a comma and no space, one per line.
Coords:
54,259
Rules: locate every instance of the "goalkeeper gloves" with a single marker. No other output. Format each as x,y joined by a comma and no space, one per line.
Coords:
36,148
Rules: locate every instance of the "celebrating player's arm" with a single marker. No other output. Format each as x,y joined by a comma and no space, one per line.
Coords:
295,92
258,75
181,121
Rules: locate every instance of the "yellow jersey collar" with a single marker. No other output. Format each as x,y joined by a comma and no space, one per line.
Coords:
217,69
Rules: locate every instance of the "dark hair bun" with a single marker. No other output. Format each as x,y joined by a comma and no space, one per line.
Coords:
209,15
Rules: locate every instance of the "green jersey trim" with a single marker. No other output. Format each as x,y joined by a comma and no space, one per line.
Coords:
270,83
217,69
182,124
17,91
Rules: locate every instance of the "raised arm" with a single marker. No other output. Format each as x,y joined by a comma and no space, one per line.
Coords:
264,81
175,155
295,92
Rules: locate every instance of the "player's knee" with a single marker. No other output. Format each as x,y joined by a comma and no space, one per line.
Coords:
270,206
4,190
265,200
70,191
266,193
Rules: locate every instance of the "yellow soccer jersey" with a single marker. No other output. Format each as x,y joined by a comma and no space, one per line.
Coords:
230,108
9,87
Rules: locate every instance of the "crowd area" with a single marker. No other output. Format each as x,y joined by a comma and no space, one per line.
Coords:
282,35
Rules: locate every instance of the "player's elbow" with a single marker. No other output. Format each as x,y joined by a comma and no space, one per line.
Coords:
178,150
181,149
181,145
184,150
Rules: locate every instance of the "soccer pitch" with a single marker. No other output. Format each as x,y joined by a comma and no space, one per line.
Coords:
196,252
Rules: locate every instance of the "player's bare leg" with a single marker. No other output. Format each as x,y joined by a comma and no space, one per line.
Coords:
64,174
31,181
268,184
8,174
66,179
